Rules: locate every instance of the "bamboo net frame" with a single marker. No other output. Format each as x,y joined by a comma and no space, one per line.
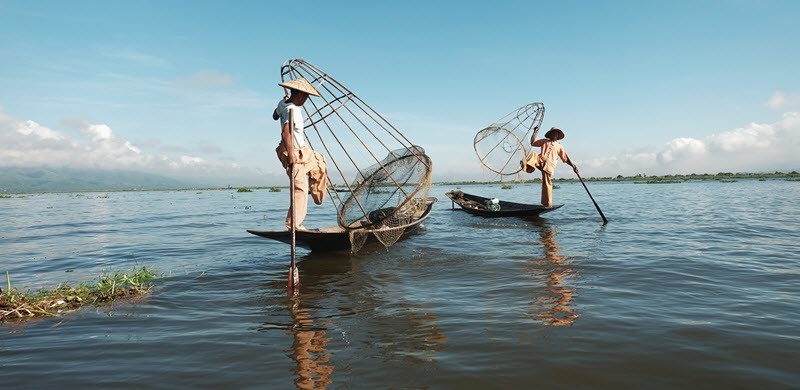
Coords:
502,145
369,158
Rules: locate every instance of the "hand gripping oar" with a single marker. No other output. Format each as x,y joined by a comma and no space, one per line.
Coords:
605,221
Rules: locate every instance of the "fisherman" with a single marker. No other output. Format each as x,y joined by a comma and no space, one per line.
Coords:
300,160
546,161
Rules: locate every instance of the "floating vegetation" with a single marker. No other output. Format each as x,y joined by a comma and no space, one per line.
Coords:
659,182
728,181
5,196
556,186
793,179
762,179
506,186
244,190
15,305
274,189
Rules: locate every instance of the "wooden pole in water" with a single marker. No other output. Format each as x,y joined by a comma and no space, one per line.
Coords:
294,277
605,221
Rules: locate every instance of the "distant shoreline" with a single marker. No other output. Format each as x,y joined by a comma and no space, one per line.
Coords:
638,179
722,176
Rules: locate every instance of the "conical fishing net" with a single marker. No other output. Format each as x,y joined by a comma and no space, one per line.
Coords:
392,175
501,146
393,192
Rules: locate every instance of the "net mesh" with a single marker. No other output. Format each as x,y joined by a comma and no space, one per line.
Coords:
392,175
501,146
385,187
394,193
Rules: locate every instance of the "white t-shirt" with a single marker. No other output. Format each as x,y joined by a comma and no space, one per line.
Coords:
284,109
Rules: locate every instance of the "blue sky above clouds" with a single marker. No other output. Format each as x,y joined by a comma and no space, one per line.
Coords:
186,88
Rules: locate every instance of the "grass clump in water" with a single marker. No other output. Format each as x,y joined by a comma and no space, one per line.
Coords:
244,190
49,303
274,189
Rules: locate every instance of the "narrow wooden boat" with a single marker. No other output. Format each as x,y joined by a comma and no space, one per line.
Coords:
336,238
477,205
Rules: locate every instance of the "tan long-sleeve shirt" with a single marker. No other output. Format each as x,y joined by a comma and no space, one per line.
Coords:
551,151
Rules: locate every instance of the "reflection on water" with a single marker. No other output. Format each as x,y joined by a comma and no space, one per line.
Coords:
552,307
717,304
313,367
342,295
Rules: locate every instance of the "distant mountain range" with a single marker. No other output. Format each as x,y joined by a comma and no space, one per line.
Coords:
15,179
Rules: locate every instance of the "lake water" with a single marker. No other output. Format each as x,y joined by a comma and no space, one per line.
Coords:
692,284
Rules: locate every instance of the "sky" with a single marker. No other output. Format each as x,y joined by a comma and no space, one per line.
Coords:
186,89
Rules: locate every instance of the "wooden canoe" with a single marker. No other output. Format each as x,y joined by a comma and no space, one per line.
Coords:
476,205
334,238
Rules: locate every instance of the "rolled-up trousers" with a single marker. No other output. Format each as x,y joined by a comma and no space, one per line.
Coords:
300,195
547,189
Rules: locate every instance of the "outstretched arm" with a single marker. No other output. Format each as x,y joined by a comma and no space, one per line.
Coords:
567,160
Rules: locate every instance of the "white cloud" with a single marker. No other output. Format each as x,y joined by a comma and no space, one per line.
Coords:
189,160
31,128
783,101
26,143
755,147
682,148
754,136
98,132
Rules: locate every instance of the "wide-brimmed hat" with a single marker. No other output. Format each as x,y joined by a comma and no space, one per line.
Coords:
559,133
301,85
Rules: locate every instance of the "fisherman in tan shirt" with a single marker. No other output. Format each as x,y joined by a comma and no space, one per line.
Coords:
294,154
546,161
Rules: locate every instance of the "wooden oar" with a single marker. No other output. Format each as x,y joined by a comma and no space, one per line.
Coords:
605,221
294,276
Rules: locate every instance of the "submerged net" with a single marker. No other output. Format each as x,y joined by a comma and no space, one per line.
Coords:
392,175
501,146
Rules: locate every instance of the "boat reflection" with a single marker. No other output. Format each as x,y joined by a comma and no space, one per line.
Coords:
553,306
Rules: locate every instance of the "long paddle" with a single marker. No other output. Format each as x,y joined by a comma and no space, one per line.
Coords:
294,276
605,221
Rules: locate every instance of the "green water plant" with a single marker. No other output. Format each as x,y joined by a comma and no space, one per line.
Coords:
658,182
243,189
48,303
274,189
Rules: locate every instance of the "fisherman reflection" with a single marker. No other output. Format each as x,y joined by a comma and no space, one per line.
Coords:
313,367
554,303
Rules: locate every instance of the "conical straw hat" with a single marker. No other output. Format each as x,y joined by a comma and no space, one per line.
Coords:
301,85
559,133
